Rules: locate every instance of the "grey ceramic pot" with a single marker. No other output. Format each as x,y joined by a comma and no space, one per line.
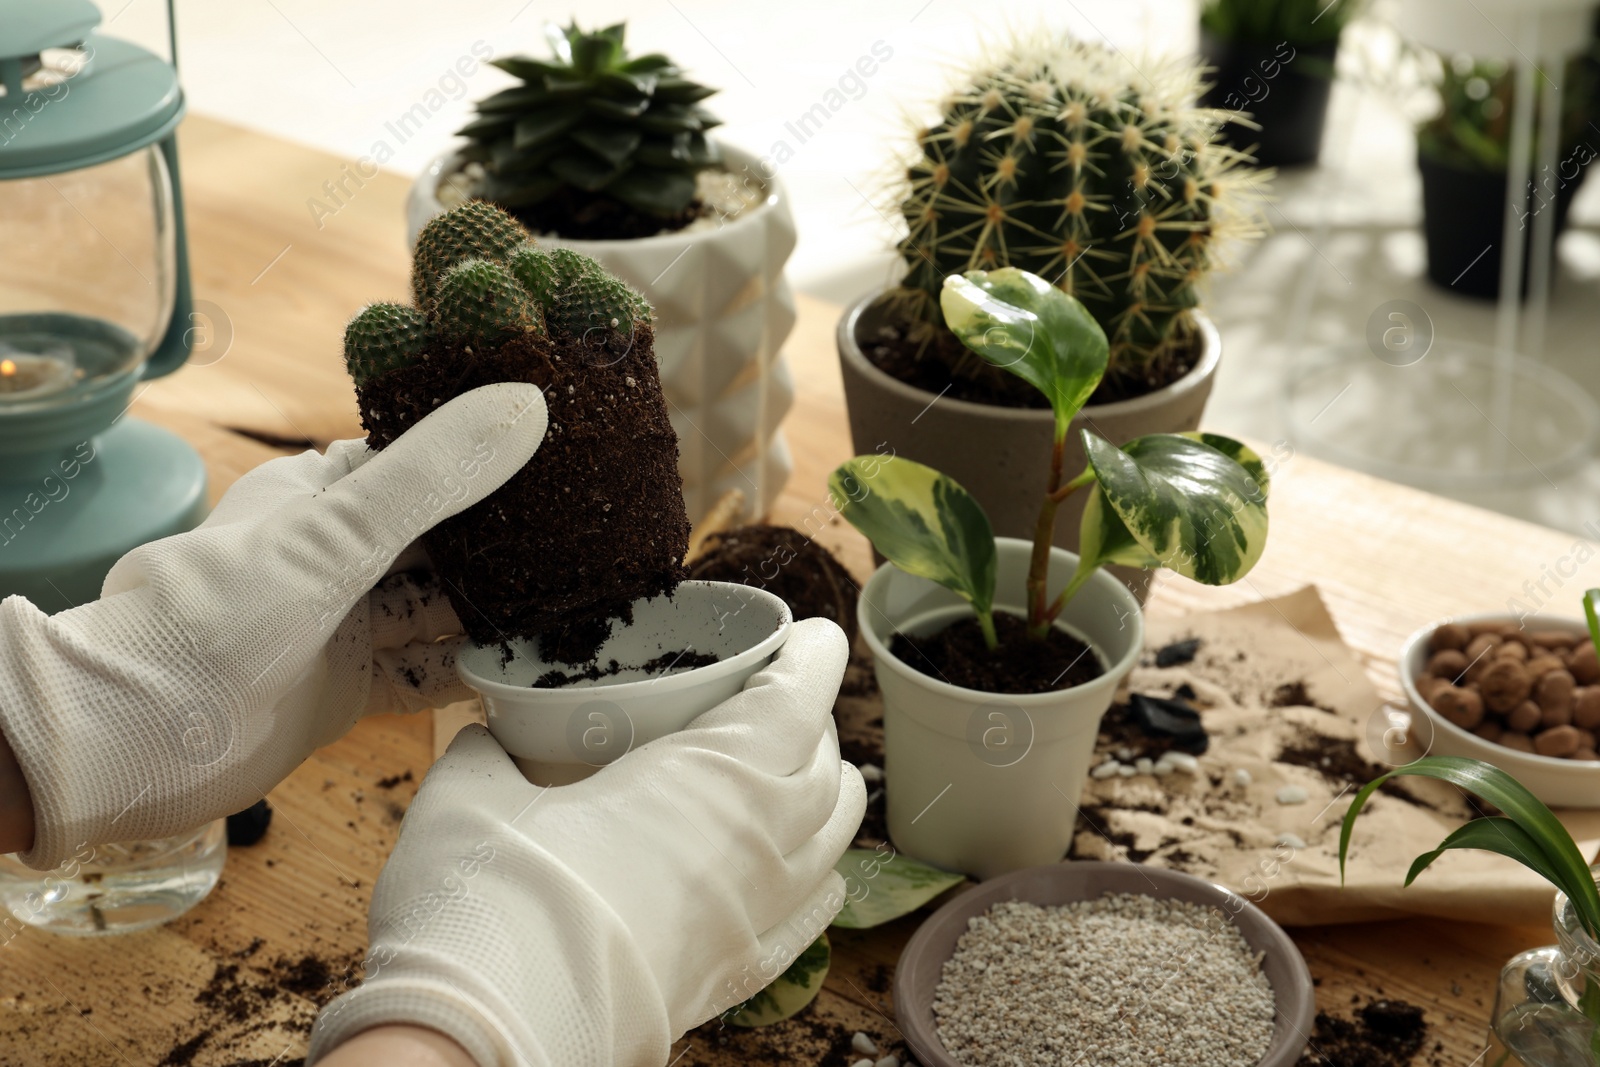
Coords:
1002,455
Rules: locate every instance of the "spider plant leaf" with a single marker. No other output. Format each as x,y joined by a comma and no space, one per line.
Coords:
791,991
1494,833
1021,323
1561,861
921,521
1193,503
880,889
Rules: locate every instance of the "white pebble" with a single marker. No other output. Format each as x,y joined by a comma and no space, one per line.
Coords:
1144,765
871,773
1241,777
1161,770
1127,771
1182,761
1291,840
1125,753
862,1063
890,1060
1105,770
864,1044
1293,794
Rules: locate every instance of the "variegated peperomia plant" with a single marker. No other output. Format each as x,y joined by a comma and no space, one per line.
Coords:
1194,503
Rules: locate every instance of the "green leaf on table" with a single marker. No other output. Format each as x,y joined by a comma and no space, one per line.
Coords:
792,990
1528,832
880,889
1193,503
1021,323
921,521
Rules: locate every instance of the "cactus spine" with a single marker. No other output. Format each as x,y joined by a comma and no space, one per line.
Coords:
480,281
1060,158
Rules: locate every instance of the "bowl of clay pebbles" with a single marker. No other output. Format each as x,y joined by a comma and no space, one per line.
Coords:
1102,964
1522,694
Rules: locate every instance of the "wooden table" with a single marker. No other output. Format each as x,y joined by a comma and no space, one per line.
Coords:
1386,558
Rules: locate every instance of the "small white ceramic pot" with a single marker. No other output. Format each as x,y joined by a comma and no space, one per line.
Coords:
1560,783
562,735
978,782
722,311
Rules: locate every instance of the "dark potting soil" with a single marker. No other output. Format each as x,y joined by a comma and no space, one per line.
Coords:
1337,760
787,564
591,217
957,654
595,520
925,362
666,663
1384,1033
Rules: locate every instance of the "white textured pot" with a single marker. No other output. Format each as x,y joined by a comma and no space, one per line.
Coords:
1001,455
562,735
978,782
722,311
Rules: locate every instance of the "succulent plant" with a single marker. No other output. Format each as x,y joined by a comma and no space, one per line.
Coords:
1058,157
595,120
479,279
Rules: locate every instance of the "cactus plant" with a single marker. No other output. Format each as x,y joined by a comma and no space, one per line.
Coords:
592,123
596,520
1061,158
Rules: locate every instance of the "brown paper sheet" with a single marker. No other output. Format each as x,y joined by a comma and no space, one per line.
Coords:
1213,826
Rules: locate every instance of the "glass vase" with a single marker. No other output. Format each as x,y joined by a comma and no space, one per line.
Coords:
1548,1003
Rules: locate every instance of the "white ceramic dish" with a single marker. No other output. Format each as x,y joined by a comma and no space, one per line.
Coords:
562,735
1560,783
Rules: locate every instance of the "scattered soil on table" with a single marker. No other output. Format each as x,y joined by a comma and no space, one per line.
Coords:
933,359
1385,1033
595,520
957,654
787,564
583,216
802,1039
395,779
1337,760
666,663
1125,735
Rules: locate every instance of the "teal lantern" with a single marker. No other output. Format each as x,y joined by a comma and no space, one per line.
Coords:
94,299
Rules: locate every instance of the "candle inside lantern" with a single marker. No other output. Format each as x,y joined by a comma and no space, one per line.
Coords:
30,377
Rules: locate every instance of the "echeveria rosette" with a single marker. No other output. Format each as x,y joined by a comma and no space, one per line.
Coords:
1193,503
1021,323
923,522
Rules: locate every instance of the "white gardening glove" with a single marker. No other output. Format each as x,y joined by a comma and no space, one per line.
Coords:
216,661
588,925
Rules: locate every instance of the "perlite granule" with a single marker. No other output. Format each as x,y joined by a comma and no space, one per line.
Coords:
1123,981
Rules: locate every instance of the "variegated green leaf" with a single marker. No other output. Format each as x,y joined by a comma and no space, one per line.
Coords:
1022,323
880,889
922,522
1187,502
790,992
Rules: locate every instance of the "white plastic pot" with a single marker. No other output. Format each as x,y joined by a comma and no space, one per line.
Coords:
722,311
562,735
982,783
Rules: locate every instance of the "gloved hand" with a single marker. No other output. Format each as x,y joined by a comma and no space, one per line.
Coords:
588,925
217,660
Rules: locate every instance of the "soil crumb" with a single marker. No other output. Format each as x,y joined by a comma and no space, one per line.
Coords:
1385,1033
666,663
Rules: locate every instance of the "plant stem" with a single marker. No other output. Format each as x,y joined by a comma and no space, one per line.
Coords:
1594,623
1073,586
1043,537
986,624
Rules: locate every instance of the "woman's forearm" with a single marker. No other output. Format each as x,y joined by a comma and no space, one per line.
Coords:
16,805
398,1046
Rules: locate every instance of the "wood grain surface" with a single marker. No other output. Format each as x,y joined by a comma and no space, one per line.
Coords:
286,928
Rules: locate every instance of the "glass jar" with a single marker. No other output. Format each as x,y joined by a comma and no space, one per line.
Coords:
1548,1004
116,888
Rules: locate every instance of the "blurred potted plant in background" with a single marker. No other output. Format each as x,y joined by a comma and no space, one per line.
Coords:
997,657
1463,152
1274,61
608,153
1547,1006
1059,158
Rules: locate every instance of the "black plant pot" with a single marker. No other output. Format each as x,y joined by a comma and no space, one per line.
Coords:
1284,87
1463,219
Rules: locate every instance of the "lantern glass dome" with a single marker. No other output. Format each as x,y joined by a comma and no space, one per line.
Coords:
89,275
